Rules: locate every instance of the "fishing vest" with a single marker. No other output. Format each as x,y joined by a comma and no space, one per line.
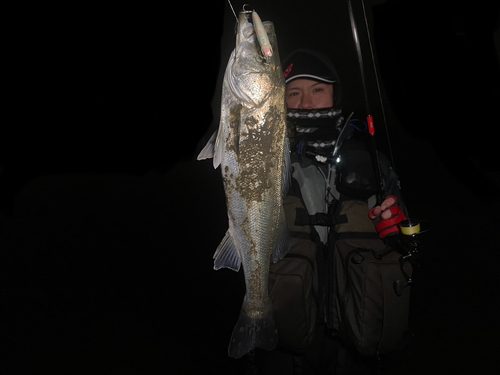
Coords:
334,251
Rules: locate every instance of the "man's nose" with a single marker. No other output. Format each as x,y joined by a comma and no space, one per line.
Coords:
306,102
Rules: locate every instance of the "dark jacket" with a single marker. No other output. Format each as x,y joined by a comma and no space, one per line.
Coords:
317,186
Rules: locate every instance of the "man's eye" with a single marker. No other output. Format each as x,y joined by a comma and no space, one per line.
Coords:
295,93
318,89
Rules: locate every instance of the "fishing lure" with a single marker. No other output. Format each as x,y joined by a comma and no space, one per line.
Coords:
262,37
260,31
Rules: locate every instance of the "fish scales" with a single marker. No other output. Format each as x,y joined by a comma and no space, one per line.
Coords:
251,147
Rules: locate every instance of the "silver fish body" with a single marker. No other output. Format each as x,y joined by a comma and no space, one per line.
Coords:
251,146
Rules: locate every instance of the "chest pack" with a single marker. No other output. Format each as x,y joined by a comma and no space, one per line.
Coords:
364,306
353,285
293,285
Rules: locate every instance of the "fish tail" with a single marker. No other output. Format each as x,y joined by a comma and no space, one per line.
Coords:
253,332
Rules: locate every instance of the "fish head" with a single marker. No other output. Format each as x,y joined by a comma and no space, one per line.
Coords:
253,76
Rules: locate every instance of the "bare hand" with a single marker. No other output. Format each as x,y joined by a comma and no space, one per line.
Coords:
382,209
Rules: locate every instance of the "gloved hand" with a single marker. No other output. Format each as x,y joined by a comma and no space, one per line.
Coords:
387,216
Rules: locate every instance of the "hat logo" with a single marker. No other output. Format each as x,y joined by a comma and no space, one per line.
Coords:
288,71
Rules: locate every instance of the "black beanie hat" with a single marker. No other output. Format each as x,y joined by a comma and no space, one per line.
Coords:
312,65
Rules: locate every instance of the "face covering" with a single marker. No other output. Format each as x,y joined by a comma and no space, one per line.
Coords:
313,133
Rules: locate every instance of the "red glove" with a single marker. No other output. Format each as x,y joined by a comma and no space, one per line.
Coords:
389,224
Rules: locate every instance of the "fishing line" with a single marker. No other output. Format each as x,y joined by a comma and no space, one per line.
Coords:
354,121
231,5
360,59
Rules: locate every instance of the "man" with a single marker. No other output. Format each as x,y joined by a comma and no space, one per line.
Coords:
317,132
310,81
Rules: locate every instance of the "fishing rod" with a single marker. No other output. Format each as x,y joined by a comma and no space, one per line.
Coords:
369,118
407,244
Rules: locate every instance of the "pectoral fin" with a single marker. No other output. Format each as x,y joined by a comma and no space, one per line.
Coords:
213,149
208,151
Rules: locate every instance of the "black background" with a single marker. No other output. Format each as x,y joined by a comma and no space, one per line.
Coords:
108,224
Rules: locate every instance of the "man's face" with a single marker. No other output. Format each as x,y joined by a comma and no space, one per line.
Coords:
309,94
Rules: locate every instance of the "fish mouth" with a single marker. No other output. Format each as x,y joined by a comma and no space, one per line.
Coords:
250,73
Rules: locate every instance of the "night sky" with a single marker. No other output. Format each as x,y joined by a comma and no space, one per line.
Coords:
108,224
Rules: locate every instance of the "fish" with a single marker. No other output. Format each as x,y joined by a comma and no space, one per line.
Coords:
252,149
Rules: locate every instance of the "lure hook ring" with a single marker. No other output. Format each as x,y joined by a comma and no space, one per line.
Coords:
244,10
